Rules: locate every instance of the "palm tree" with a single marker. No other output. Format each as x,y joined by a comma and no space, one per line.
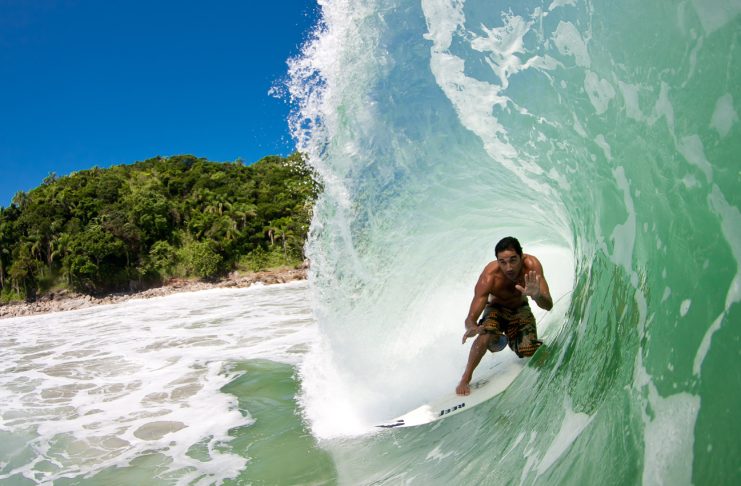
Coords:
284,228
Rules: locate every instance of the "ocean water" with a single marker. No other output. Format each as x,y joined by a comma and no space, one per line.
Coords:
604,135
193,388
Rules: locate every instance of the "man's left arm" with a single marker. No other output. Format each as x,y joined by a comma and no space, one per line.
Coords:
543,300
536,286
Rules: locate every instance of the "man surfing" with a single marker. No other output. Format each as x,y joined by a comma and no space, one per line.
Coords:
501,293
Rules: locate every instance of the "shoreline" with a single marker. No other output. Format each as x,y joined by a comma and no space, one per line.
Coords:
66,300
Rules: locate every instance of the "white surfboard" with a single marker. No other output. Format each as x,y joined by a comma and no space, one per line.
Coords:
492,382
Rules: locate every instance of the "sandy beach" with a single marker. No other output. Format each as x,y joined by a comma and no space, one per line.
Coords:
66,300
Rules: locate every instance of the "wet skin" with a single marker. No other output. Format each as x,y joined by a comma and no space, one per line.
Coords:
508,281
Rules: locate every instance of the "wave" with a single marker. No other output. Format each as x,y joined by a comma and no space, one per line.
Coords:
605,137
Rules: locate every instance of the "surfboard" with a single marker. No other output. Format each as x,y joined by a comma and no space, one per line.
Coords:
490,383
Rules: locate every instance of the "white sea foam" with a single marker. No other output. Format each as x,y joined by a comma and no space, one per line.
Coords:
692,148
98,387
666,294
668,431
630,97
724,115
669,438
569,42
475,100
714,14
684,308
730,219
602,143
599,91
624,235
560,3
571,427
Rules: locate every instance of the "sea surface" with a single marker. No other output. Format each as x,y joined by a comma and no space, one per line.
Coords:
192,388
604,135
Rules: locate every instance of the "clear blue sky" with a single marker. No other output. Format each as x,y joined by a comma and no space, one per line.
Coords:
106,82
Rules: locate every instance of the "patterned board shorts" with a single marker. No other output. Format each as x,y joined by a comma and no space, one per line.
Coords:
517,324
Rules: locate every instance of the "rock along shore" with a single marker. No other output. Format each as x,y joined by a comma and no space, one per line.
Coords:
66,300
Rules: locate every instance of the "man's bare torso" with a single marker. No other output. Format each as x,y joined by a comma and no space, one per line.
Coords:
502,289
508,281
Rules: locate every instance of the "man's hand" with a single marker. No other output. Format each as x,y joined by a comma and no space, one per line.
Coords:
470,332
532,285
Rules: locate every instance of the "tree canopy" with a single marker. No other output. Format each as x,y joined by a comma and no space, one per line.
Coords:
131,226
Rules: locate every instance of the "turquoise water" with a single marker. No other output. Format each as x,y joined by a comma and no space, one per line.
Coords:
605,136
194,388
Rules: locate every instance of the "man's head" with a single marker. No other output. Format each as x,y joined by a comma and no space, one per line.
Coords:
508,243
509,256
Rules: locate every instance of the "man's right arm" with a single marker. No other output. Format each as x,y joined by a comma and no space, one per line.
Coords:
479,301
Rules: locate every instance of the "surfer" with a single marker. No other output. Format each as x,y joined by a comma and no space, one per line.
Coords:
501,293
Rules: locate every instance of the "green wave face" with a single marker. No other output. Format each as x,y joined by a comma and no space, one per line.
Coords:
605,136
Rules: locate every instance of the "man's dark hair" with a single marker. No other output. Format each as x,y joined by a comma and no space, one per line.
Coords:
508,243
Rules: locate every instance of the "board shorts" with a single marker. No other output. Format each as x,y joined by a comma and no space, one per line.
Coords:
518,325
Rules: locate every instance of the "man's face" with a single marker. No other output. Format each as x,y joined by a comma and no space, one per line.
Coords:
510,263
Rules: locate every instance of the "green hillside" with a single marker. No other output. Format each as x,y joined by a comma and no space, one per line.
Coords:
134,226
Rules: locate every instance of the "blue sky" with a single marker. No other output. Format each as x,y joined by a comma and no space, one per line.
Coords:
106,82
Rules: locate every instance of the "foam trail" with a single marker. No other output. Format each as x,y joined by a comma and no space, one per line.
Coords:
98,388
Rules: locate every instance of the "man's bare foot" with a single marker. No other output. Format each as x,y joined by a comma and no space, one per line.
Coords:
463,388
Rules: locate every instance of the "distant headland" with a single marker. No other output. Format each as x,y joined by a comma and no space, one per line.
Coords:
174,223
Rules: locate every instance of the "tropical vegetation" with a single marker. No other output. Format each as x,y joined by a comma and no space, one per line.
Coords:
134,226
